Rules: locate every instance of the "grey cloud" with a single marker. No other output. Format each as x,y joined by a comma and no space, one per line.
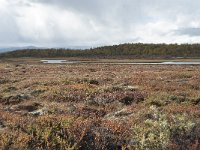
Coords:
188,31
115,11
98,22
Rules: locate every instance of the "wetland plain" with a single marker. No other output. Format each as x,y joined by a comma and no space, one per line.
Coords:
98,106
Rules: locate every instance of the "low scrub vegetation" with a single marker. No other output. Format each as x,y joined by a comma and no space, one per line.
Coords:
160,131
88,107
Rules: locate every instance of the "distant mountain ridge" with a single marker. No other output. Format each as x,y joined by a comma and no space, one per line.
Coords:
7,49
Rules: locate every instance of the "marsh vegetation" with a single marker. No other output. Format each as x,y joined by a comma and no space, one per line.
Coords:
91,106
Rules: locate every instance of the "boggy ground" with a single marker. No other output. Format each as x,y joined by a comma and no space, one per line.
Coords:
90,107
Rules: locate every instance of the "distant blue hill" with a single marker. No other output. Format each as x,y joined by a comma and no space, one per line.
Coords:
7,49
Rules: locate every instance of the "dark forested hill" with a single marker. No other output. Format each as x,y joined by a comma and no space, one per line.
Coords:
124,50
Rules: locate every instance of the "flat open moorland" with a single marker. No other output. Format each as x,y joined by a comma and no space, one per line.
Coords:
88,106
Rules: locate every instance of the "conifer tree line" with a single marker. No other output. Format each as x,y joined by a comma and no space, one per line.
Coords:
127,50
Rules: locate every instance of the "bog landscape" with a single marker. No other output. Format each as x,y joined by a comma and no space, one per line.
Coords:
111,103
99,74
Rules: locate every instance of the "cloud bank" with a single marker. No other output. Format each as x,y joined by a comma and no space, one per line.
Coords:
68,23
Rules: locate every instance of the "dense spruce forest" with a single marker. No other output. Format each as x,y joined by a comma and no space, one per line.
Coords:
138,50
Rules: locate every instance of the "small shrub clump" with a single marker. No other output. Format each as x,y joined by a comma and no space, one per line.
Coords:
153,133
161,132
41,134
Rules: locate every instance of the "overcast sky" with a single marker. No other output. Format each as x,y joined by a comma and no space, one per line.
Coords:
66,23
